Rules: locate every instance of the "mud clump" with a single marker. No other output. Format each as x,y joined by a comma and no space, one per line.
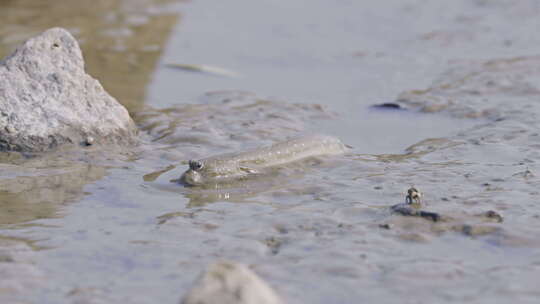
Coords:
47,99
493,216
475,230
479,89
459,221
228,121
405,210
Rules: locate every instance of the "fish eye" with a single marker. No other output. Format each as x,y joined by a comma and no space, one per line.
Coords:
195,165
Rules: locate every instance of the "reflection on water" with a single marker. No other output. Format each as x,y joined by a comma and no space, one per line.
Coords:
29,191
121,40
11,241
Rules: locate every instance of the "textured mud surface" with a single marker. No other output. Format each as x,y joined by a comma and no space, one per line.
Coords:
110,226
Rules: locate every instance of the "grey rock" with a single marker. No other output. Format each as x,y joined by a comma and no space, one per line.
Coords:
230,283
47,99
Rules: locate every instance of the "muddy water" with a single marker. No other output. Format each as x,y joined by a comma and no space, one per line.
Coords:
107,226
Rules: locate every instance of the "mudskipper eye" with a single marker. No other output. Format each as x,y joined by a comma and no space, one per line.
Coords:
195,165
413,196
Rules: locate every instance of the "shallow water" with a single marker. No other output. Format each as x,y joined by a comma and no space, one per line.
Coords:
104,226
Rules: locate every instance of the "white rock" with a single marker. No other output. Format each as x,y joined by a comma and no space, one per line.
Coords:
230,283
47,99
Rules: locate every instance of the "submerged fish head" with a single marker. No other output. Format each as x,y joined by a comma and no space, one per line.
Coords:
193,176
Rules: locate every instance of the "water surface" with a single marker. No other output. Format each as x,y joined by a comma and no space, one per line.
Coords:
110,225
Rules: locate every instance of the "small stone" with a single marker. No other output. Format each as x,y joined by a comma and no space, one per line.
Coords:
494,215
89,141
10,129
230,283
388,106
406,209
385,226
